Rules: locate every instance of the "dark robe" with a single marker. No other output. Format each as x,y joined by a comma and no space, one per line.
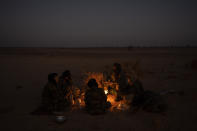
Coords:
95,101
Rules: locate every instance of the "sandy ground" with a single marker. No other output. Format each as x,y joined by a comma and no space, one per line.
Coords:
162,68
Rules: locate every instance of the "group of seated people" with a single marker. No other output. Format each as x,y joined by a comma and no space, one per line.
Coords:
58,95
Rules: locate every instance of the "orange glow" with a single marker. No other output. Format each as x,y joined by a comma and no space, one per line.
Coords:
111,96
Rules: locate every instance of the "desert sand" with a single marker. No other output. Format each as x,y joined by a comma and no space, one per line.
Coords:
23,73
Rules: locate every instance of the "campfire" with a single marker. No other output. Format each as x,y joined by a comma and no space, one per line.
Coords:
110,89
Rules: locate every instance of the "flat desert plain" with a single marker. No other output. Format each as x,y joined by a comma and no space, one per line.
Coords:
23,74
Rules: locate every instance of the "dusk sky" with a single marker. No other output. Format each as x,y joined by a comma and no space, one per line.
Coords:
80,23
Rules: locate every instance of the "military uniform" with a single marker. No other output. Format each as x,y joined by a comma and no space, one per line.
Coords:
95,101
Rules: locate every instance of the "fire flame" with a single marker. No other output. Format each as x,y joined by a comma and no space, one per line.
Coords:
111,96
106,92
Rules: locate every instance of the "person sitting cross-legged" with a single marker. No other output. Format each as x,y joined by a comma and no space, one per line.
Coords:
95,99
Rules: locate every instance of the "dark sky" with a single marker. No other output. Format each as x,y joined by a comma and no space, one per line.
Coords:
80,23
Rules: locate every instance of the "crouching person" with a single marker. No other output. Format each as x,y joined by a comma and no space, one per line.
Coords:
95,99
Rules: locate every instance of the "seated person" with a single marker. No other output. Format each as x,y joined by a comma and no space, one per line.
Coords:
118,75
95,99
52,97
65,84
